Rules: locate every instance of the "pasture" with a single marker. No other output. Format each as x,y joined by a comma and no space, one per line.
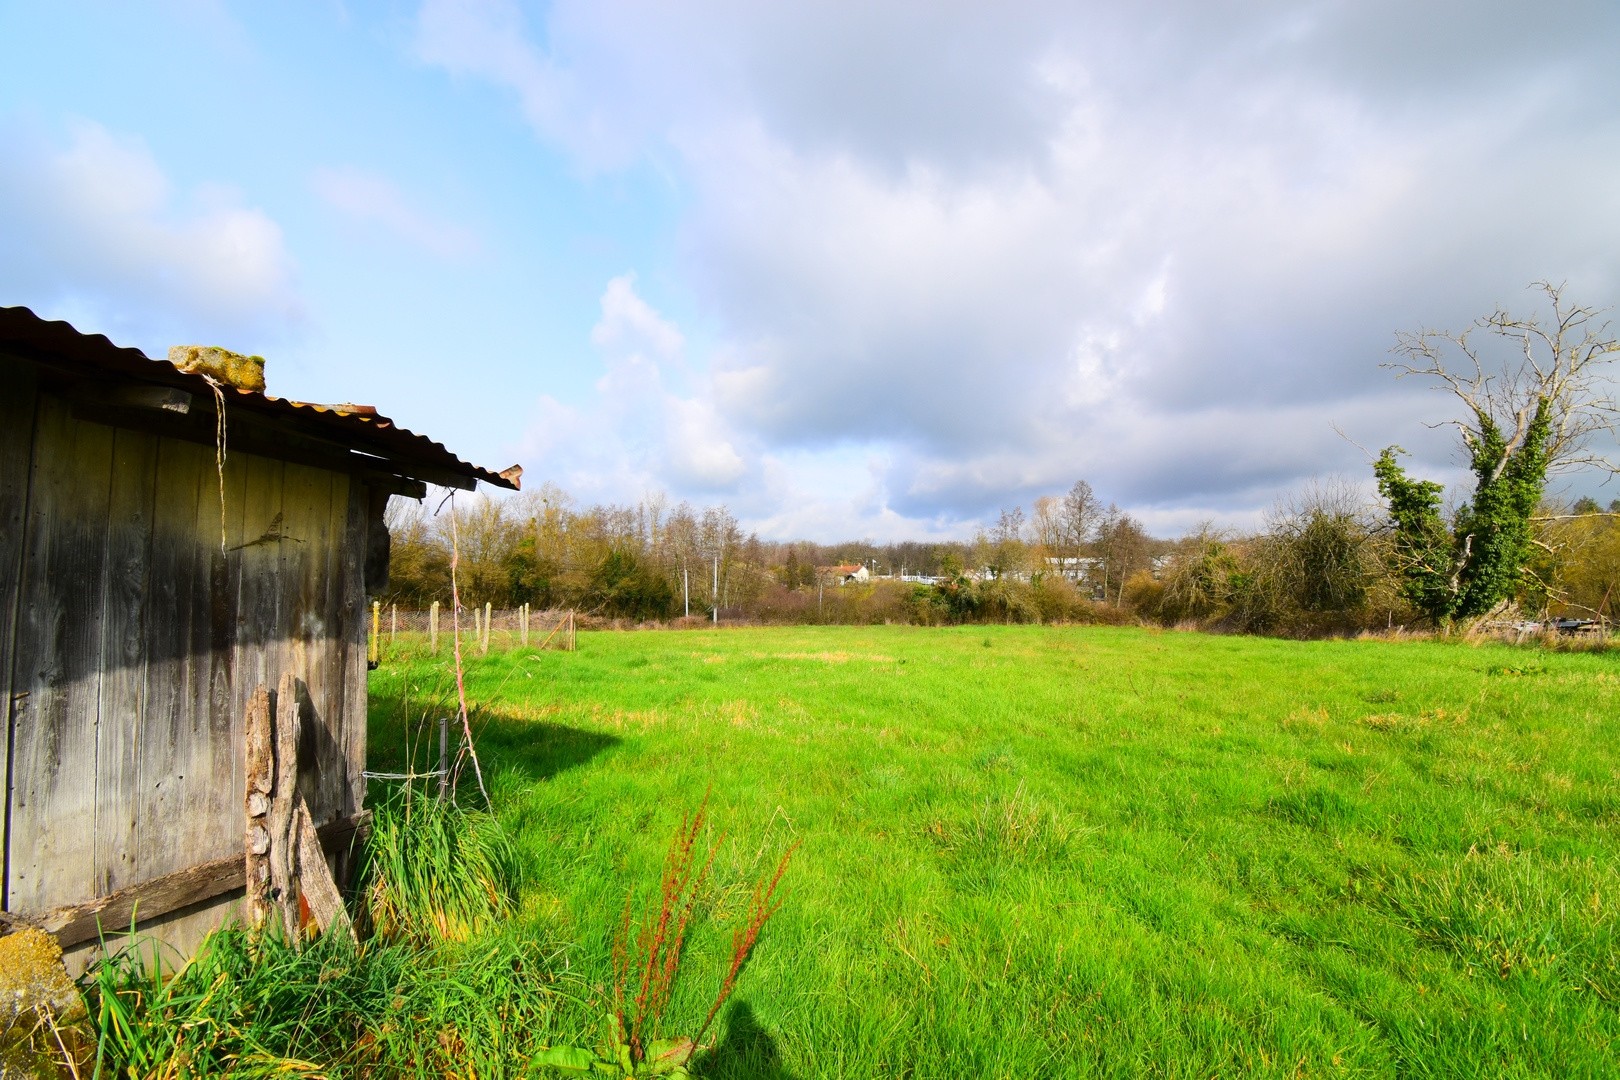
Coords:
1038,851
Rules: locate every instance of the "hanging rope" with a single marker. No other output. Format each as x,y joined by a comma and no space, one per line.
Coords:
219,449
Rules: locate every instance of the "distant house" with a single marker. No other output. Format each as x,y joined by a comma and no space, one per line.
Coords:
1075,567
844,573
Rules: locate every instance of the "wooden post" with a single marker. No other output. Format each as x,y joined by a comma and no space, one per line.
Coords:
284,790
523,626
573,641
260,781
433,627
393,622
376,632
486,629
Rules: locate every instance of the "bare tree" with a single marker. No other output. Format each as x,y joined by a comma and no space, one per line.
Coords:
1007,542
1046,524
1079,519
719,538
1122,545
681,532
1525,370
1534,393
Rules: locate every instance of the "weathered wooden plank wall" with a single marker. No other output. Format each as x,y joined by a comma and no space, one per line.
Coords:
58,662
144,627
16,454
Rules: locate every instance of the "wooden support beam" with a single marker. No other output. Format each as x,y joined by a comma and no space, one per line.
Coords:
283,856
111,914
260,782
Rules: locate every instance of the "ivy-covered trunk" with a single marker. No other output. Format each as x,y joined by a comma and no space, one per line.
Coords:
1478,563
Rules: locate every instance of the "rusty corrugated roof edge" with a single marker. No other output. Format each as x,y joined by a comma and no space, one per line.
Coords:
371,432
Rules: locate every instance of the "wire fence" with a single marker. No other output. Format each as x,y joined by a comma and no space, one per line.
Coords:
482,629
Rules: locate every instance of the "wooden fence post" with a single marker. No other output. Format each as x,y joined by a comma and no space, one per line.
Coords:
486,628
376,633
433,627
260,781
523,625
393,622
284,790
573,640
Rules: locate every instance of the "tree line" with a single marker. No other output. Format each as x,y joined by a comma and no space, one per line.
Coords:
654,561
1327,560
1534,397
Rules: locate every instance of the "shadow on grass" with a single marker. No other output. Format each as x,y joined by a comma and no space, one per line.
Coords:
748,1050
534,750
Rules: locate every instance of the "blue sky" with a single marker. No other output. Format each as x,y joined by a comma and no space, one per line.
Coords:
868,269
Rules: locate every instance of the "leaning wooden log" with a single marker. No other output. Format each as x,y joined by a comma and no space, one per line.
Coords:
111,914
320,893
260,783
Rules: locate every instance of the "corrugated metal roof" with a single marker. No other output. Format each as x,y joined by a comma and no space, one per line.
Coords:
359,427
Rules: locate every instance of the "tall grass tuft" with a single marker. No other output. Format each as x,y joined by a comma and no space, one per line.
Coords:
437,872
245,1006
446,985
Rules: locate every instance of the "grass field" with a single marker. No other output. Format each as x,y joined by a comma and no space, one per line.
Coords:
1034,851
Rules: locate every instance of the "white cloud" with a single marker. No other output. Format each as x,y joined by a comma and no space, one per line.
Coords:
1164,250
637,433
95,228
628,320
488,38
367,197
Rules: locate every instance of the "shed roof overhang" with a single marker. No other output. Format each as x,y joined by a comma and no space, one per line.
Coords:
126,387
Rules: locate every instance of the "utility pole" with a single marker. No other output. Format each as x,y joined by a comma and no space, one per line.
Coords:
686,590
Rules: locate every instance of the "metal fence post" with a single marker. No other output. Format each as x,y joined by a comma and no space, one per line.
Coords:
444,757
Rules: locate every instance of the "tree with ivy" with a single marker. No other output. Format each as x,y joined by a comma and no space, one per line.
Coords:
1534,393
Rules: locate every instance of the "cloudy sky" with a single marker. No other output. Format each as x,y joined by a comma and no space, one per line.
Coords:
866,269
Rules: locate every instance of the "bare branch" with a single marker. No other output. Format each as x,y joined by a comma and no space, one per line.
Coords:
1558,367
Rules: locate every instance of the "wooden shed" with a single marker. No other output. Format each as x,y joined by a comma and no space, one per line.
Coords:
152,576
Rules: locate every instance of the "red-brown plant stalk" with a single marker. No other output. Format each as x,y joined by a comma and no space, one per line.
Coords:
661,938
649,952
761,906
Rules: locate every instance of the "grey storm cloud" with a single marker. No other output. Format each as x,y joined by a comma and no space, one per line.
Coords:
1164,247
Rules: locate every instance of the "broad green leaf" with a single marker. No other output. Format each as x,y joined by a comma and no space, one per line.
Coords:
567,1058
669,1053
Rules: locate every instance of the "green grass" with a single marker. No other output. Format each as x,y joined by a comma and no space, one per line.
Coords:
1034,851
